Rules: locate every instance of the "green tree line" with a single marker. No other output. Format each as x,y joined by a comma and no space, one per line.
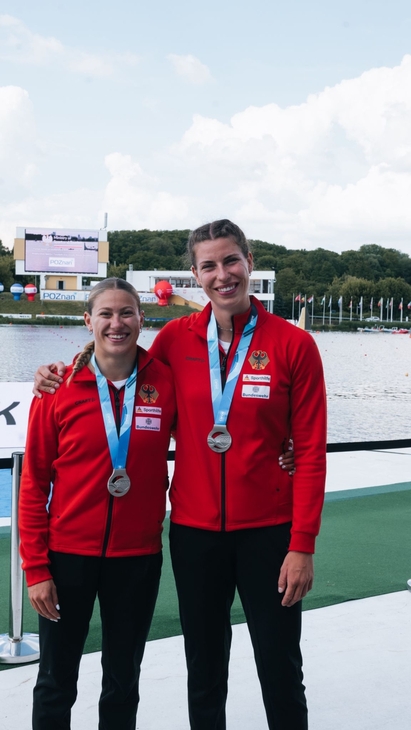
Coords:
7,277
370,272
146,250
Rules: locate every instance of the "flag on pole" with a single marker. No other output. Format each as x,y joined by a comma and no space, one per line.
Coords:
323,300
400,306
298,298
310,300
371,302
340,301
329,303
350,304
409,305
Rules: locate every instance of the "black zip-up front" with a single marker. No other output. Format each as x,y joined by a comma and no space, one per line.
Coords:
223,370
111,502
117,408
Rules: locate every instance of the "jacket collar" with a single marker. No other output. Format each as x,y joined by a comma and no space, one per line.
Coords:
85,374
200,322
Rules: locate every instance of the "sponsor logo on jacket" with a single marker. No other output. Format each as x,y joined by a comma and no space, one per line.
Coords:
144,423
251,378
255,391
148,410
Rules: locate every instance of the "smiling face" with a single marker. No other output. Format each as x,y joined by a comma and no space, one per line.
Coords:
115,320
223,271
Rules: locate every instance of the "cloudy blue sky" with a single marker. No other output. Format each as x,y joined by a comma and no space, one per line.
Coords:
293,118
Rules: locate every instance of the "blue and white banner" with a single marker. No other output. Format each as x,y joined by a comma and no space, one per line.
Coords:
58,295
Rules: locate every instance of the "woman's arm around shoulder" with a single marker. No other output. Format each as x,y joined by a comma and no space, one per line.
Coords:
48,378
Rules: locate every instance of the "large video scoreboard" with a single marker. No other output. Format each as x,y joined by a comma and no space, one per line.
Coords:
63,251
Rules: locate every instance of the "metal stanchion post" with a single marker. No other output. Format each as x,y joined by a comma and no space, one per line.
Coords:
16,647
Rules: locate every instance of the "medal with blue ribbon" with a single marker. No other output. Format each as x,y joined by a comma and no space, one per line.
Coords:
219,438
119,483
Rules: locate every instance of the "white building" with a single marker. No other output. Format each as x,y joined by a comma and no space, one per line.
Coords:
187,291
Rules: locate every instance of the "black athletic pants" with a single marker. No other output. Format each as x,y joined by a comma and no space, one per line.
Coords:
127,590
208,567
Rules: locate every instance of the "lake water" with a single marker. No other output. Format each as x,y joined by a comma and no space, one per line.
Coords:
368,378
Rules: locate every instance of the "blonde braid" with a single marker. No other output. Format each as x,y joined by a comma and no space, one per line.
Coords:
82,360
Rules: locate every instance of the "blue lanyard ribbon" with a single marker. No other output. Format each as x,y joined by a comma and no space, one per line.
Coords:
117,444
222,399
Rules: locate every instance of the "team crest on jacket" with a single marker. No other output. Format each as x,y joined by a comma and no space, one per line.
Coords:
148,393
259,360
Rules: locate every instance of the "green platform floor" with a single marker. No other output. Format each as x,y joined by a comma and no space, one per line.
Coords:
363,550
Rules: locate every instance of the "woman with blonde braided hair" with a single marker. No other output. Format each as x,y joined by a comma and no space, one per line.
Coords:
102,445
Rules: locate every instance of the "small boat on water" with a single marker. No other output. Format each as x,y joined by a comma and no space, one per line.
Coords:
381,328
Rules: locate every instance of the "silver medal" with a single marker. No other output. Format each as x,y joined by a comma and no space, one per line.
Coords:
219,439
119,483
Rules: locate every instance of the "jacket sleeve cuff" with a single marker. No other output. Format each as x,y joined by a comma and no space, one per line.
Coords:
37,575
302,542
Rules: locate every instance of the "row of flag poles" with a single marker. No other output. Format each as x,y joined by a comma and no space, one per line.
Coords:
389,306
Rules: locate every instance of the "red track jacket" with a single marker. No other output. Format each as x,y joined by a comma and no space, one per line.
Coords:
280,392
67,445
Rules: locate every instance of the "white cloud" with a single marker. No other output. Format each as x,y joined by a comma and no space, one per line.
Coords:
18,147
333,171
21,160
89,64
80,208
20,45
190,68
134,200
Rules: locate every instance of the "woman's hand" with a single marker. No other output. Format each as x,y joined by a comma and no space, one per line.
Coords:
43,597
296,577
47,378
286,460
